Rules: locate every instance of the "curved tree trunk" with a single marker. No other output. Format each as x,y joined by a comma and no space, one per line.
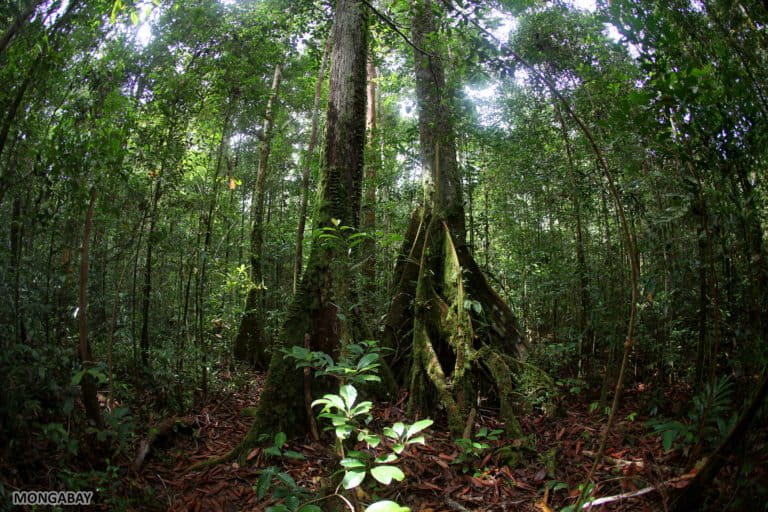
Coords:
326,292
250,345
462,334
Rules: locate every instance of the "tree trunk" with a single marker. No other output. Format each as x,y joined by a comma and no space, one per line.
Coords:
325,295
461,329
250,344
585,327
206,253
369,202
88,381
144,341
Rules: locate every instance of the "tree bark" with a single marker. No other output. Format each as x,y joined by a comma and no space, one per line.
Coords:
144,341
326,292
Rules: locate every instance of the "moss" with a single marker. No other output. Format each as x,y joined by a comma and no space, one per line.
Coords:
502,377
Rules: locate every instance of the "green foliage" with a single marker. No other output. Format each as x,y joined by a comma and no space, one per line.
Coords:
349,418
708,421
472,449
276,449
287,489
358,362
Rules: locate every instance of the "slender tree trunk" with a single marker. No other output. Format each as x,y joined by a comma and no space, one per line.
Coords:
206,253
585,329
250,344
369,202
144,341
16,233
134,286
307,168
88,381
486,232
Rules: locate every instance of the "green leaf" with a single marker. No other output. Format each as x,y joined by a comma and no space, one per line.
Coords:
280,439
330,400
385,474
361,408
386,506
385,458
417,440
343,431
352,463
291,454
352,479
134,18
115,9
310,508
367,360
272,451
265,480
76,378
419,426
667,438
349,394
286,479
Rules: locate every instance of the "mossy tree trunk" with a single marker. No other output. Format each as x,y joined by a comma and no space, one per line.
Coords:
320,311
250,345
461,334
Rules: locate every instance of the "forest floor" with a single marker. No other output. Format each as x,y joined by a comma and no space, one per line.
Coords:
555,455
560,454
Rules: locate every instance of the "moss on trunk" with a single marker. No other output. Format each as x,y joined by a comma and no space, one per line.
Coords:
462,331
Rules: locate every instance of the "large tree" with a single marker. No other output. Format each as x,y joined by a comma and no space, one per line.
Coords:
457,326
326,294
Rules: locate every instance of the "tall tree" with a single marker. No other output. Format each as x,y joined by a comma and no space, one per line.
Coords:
459,324
250,344
326,295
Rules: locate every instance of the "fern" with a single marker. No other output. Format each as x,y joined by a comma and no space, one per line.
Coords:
711,408
709,420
